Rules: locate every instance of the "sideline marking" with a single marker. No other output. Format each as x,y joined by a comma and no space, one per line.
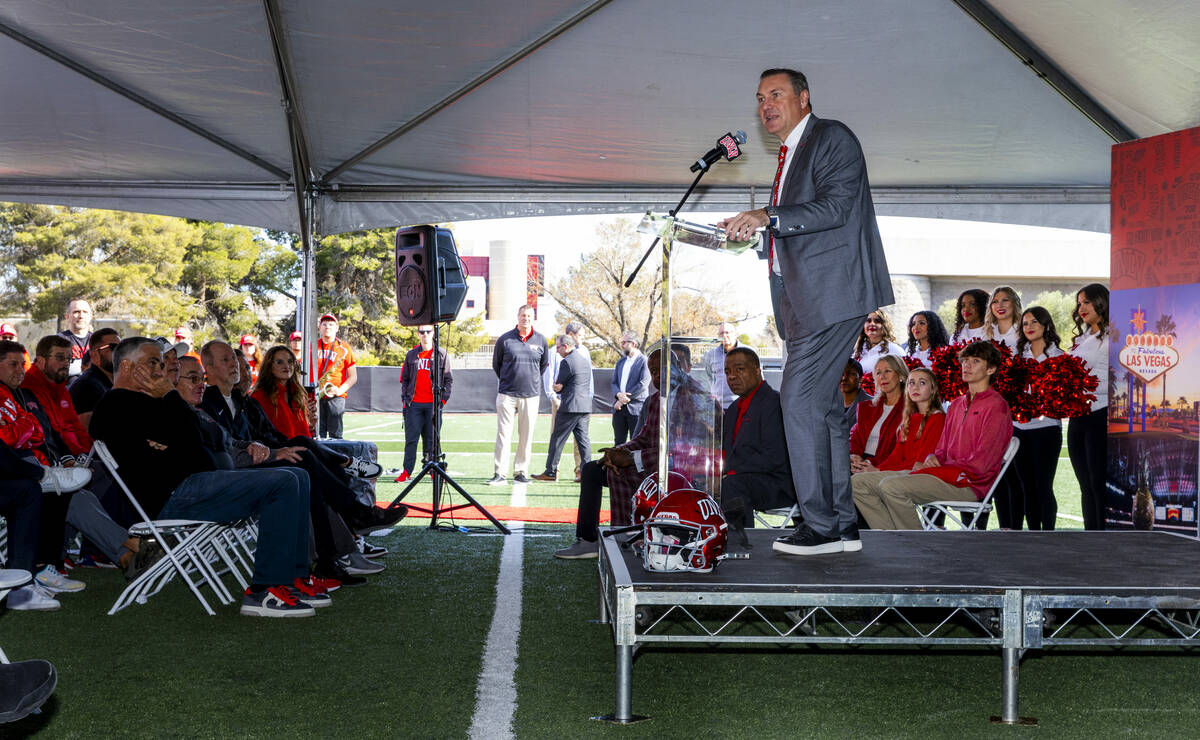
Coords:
496,691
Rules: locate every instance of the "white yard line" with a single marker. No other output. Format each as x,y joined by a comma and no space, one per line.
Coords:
496,691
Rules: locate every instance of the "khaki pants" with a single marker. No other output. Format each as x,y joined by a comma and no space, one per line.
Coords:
888,499
525,411
554,404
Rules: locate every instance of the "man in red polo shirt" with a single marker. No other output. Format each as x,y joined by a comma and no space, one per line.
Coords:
416,391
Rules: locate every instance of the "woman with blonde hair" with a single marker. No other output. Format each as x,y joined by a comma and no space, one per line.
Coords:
920,424
874,433
876,339
1001,324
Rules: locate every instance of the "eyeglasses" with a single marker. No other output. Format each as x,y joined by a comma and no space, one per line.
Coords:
191,378
59,357
424,331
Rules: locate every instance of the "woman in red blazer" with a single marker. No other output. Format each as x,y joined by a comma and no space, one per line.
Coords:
874,433
282,396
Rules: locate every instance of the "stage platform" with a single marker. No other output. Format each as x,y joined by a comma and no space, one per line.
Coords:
990,589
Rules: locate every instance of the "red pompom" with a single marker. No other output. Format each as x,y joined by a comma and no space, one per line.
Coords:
912,362
1062,387
947,371
868,384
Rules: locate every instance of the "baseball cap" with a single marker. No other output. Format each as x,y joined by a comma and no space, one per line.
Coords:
167,345
249,339
179,334
8,329
328,317
295,335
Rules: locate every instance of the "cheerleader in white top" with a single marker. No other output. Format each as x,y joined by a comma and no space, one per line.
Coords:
926,332
1031,484
1087,436
1001,322
875,340
968,316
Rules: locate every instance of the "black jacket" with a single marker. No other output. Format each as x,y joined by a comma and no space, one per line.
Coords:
519,364
760,446
408,374
248,422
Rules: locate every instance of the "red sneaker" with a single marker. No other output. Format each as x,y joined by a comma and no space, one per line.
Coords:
403,477
328,584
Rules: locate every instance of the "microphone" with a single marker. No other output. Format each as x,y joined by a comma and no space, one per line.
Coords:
727,147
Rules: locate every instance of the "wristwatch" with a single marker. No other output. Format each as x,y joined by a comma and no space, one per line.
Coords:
772,214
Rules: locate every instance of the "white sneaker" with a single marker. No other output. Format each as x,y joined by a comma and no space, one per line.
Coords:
56,583
364,468
33,598
65,480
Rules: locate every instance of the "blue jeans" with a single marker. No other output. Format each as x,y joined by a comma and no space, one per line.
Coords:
278,497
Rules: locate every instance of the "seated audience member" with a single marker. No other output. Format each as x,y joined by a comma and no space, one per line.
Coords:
622,469
416,395
156,439
877,339
47,381
757,475
926,332
968,316
8,332
280,395
334,545
965,462
51,426
874,432
87,388
852,392
21,505
920,426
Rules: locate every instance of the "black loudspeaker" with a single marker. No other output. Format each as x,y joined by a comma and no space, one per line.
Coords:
431,284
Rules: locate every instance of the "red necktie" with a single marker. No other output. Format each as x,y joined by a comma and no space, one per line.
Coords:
775,202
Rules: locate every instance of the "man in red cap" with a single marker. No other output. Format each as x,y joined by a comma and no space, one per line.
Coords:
336,374
252,353
9,332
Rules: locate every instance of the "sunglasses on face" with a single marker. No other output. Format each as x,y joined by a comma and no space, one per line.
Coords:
424,331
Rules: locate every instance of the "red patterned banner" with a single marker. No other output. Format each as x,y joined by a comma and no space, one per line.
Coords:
1156,211
533,280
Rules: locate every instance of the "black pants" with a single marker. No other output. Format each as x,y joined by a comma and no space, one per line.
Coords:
21,505
566,424
1087,443
1032,480
744,493
332,410
592,480
418,421
624,425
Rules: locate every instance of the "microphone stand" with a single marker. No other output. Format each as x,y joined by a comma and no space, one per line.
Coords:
672,213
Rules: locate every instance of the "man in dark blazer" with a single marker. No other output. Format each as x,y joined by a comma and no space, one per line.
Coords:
756,474
630,387
574,386
826,255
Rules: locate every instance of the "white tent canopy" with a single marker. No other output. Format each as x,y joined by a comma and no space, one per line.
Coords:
382,112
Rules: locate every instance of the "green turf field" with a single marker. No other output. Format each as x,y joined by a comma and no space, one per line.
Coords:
401,656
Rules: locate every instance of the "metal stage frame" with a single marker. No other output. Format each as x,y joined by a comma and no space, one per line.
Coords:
1105,588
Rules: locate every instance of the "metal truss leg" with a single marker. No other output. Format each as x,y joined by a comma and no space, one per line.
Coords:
624,713
1013,621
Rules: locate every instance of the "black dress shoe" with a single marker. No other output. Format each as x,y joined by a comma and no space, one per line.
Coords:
370,518
804,541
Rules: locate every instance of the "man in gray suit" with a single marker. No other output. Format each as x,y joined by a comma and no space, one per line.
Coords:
824,247
574,386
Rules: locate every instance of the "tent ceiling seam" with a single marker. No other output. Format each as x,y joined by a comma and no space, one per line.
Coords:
1045,68
140,100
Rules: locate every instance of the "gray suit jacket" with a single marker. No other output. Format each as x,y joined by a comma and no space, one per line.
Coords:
575,374
830,254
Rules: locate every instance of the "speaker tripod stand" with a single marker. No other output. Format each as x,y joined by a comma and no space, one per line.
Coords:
435,461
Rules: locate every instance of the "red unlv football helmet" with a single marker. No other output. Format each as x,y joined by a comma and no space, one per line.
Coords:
647,496
685,532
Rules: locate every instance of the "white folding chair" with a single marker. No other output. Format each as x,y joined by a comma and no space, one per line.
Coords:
191,547
965,514
786,517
